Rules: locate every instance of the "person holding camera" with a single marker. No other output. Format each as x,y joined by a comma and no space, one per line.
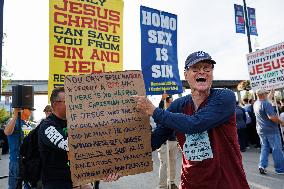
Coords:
14,134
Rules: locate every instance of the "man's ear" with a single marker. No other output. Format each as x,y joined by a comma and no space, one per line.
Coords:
185,74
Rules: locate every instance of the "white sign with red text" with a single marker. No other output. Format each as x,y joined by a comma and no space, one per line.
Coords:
266,68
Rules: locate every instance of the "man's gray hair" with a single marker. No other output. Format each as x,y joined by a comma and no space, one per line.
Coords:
55,93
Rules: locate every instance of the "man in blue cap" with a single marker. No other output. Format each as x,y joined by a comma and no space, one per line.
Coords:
205,126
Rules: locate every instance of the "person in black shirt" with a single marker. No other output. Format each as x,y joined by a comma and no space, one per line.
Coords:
53,146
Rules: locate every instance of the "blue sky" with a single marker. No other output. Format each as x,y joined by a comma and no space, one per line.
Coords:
202,25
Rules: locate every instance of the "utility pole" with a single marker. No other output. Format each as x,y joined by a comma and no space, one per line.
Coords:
247,26
1,36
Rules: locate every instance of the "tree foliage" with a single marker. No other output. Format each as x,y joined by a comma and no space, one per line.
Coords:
4,115
244,85
5,74
248,95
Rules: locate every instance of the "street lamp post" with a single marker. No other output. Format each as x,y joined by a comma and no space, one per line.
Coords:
1,37
247,26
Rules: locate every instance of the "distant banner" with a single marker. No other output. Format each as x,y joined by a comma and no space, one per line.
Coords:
266,67
159,52
252,21
239,19
85,37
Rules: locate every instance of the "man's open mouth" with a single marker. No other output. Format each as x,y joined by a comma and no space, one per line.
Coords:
201,79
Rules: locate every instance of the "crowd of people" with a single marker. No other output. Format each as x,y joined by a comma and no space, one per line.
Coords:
262,128
268,123
208,126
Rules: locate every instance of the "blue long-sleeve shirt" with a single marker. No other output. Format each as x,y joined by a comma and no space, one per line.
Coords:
216,116
218,109
172,137
240,117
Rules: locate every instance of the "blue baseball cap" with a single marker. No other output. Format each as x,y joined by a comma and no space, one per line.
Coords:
196,57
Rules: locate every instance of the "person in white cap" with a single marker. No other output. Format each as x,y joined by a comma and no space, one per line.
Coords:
267,128
205,126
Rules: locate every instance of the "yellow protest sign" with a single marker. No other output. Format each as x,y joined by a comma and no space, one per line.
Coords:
85,37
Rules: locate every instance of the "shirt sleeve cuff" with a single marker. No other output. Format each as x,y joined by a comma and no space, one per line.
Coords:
157,114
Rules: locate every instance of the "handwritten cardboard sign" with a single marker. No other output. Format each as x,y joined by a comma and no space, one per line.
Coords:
106,133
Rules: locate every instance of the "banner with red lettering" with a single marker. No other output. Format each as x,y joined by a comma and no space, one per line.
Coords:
266,67
85,37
